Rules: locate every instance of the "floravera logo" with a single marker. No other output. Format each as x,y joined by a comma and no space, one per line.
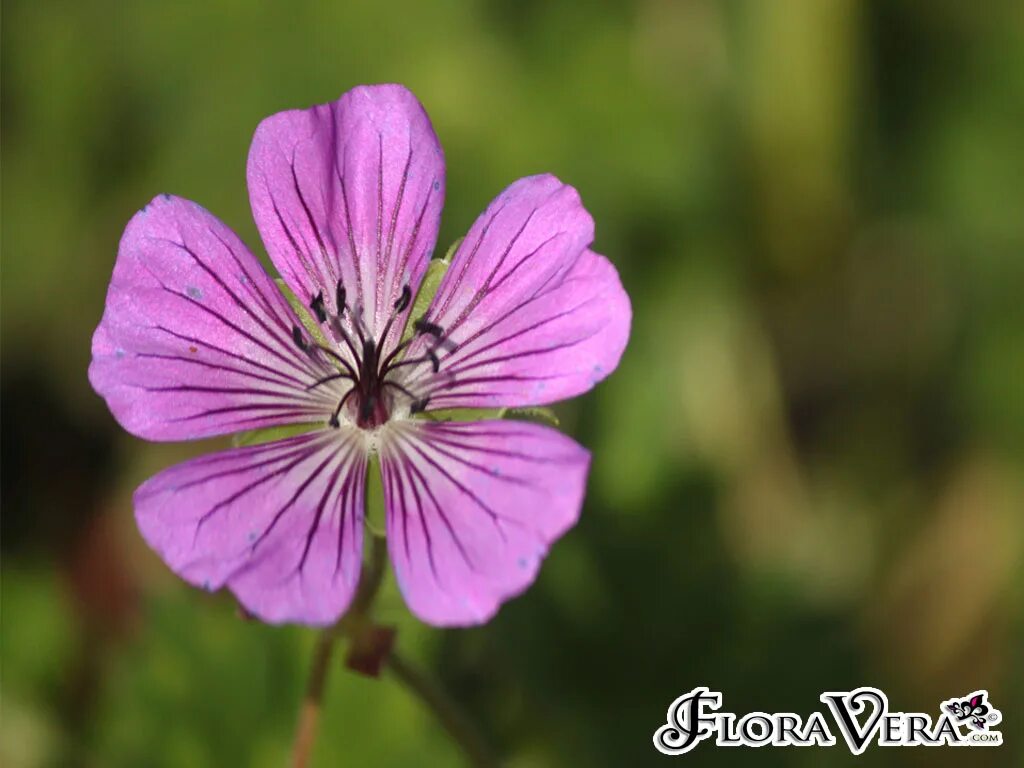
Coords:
861,717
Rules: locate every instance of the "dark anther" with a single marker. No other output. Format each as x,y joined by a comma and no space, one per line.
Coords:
317,305
300,342
339,296
333,421
404,299
434,361
425,326
418,406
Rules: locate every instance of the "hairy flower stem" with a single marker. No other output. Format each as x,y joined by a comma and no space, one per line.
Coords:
355,625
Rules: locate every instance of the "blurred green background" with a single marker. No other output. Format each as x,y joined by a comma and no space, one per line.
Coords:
808,468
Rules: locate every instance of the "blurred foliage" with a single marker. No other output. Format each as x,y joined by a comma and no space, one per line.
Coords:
807,470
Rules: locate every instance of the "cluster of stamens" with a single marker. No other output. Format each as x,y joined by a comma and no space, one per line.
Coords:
369,376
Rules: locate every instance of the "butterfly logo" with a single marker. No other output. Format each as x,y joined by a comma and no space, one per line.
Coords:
974,710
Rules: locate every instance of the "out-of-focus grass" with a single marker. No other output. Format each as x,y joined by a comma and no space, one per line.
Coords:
807,470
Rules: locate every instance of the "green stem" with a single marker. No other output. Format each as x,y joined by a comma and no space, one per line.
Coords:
355,625
309,715
371,579
447,711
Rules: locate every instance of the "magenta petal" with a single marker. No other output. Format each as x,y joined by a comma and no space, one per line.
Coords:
472,509
532,314
280,524
350,191
195,339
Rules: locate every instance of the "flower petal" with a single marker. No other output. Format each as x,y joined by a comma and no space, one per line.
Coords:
350,191
196,339
472,509
531,315
280,524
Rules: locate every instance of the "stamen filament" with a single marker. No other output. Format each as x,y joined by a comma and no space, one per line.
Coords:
422,326
332,377
341,360
369,376
333,421
418,403
430,354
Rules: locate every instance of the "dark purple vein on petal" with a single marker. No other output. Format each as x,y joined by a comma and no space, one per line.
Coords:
380,221
249,451
503,477
470,447
482,429
443,385
267,303
294,417
450,292
259,342
542,291
413,238
495,517
444,518
325,284
302,449
299,252
288,505
495,286
461,355
358,504
220,367
421,511
284,341
291,361
318,515
401,481
464,367
354,253
249,407
217,390
397,493
301,383
310,451
348,505
395,211
485,289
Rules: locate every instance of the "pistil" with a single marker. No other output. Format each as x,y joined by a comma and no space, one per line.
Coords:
369,376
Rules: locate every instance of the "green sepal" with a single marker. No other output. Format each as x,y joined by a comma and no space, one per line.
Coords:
436,270
269,434
375,515
450,253
538,414
308,322
462,414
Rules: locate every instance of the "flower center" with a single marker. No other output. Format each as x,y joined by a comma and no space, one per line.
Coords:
375,386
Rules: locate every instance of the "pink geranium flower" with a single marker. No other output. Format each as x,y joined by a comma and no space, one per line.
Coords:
197,340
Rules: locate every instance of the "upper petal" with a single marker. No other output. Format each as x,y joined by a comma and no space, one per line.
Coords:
281,524
196,339
530,315
472,509
350,191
